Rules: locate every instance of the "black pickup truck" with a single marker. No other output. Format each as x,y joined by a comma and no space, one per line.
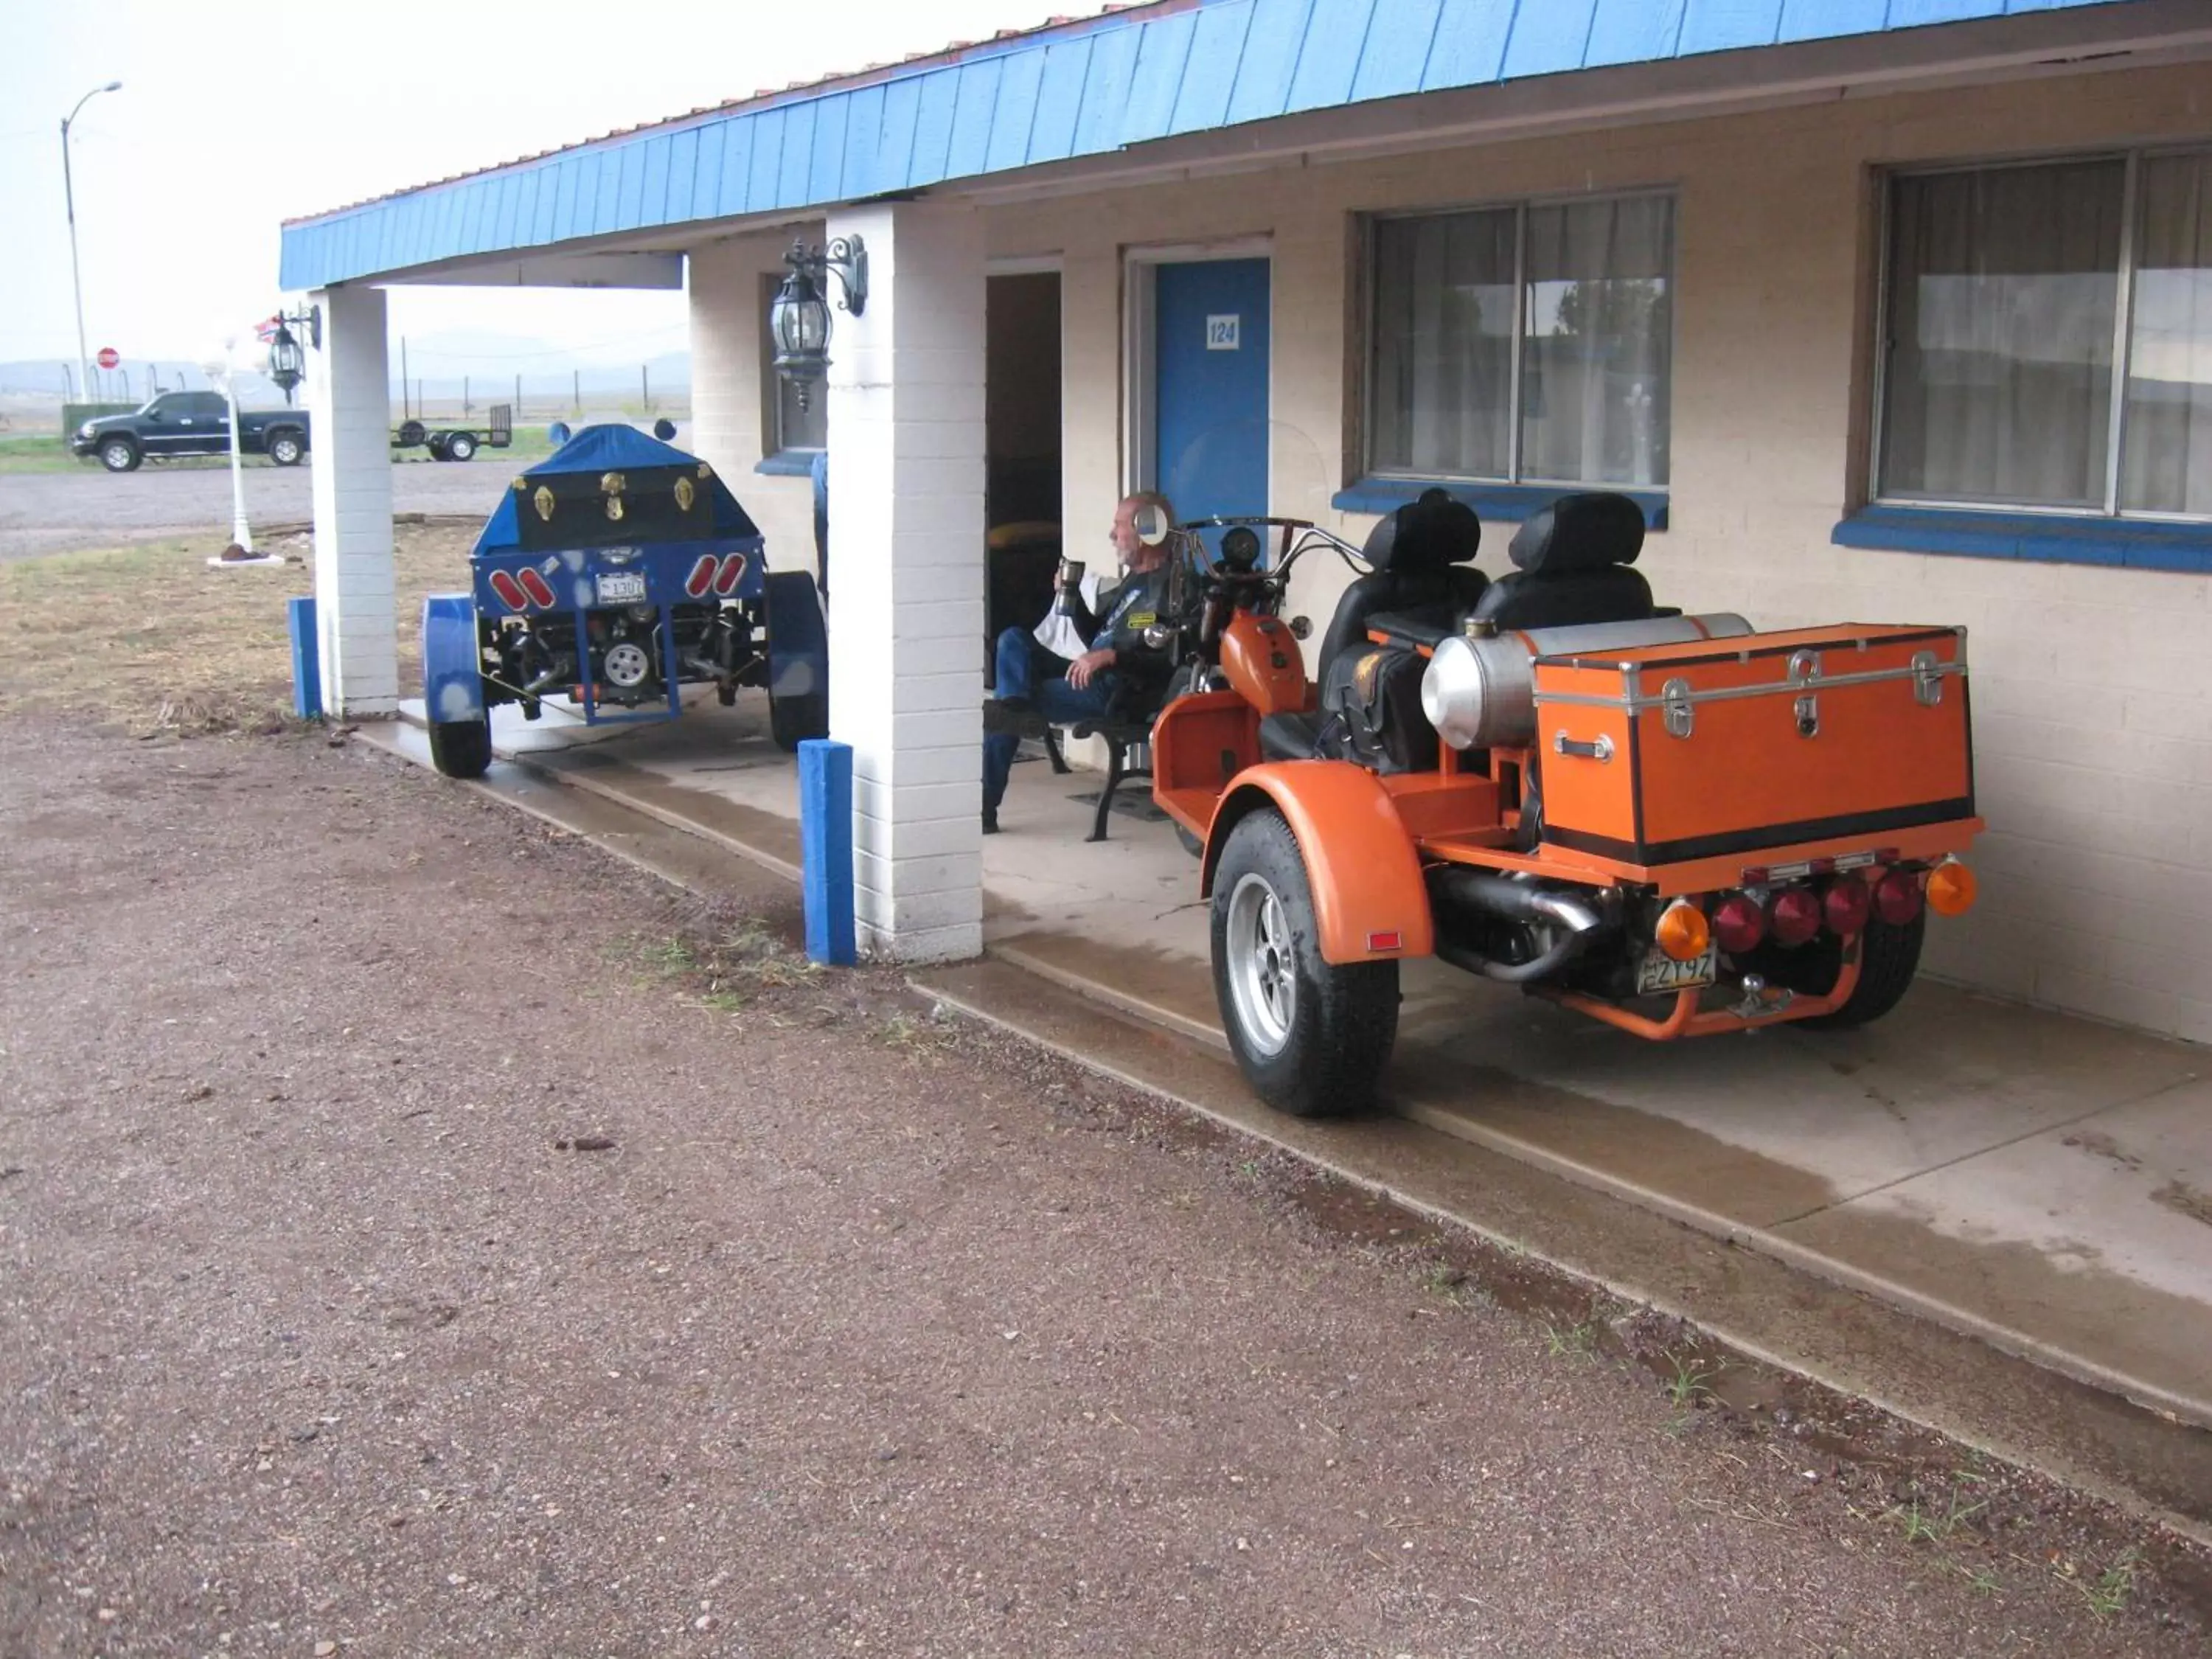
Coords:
191,423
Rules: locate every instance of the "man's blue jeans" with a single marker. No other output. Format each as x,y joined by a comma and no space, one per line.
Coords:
1026,670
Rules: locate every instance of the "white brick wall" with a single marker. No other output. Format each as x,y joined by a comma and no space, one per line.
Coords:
906,439
349,405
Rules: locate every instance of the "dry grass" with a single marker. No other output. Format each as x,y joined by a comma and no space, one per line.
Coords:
150,638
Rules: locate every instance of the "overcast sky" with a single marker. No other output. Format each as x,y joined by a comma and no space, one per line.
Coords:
233,117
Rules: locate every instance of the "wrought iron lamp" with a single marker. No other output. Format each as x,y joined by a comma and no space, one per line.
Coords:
799,318
288,364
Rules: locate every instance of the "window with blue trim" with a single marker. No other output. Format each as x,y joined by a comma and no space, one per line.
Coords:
1530,343
2048,338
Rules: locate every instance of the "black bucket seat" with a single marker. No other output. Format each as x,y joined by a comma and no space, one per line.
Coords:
1571,567
1423,579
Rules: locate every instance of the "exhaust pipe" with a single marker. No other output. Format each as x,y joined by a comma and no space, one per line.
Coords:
1518,902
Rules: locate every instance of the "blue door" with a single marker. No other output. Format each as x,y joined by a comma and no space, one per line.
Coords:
1210,385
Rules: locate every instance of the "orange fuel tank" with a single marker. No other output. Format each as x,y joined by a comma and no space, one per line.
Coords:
1260,656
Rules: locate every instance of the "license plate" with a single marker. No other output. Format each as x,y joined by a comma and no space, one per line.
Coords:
1660,972
622,586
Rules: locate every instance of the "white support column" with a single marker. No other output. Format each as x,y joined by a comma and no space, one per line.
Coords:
906,625
350,413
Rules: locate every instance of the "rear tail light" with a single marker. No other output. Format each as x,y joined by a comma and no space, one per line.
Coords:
1897,897
1739,924
702,577
1793,916
509,591
536,585
732,573
1843,906
1682,932
1952,889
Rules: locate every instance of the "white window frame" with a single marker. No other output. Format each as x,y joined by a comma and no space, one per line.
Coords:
2123,334
1519,206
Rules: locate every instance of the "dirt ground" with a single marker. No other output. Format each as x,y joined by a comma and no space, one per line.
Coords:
420,1235
148,637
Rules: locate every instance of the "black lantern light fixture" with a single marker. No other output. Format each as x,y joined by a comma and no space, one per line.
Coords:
288,364
798,318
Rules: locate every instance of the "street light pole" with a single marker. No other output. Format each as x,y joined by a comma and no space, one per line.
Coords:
68,195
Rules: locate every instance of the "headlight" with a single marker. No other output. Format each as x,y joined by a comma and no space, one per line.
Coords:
85,431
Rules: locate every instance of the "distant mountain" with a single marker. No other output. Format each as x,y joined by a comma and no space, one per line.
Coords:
442,369
132,381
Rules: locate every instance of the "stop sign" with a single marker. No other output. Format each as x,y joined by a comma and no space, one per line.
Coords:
108,357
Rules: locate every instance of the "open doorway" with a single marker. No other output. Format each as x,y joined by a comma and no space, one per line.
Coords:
1022,467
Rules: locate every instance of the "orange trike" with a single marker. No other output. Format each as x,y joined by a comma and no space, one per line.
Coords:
1679,825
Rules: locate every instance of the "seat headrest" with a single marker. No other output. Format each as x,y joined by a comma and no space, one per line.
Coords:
1425,536
1587,532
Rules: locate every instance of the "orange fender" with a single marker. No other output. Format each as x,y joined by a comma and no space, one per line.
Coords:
1359,857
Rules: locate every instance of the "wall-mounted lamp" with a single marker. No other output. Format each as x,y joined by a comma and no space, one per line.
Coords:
288,364
799,318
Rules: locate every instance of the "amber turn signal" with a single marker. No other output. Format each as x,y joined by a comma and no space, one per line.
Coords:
1682,932
1951,889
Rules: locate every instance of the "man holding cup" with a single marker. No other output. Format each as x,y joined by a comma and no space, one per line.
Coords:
1039,686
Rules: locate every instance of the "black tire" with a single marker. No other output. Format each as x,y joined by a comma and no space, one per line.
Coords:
1889,956
286,446
460,447
791,720
1334,1028
461,749
120,453
411,434
435,443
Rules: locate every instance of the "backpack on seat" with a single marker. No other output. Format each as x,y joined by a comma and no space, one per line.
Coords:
1370,711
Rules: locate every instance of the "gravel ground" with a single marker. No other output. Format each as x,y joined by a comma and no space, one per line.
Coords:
51,512
406,1248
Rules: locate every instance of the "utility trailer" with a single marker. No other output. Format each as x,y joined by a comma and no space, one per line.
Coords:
457,443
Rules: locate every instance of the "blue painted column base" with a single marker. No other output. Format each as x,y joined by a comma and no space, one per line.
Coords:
307,658
825,842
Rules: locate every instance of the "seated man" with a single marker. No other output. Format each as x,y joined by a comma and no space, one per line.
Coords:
1037,686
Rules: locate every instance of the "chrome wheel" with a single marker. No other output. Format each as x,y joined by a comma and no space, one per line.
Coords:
1262,964
627,664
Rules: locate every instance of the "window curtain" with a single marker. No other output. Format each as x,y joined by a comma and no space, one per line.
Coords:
1443,343
2003,284
1597,341
2166,445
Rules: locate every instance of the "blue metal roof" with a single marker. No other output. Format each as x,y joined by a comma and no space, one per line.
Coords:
1158,71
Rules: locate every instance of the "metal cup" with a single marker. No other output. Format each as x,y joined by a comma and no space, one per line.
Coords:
1070,573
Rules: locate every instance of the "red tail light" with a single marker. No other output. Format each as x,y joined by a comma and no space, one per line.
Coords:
1897,897
1739,924
536,586
1844,906
1794,915
702,577
509,591
733,572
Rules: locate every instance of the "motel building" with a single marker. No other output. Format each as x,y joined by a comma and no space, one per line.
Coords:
1882,310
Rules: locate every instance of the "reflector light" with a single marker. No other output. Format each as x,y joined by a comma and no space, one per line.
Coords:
1794,915
1844,906
1951,889
1682,932
702,577
1897,897
1392,940
509,591
1739,924
733,572
536,586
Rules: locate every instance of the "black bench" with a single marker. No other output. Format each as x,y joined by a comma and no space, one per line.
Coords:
1120,735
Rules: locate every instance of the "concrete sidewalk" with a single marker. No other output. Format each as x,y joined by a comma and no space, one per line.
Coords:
2030,1178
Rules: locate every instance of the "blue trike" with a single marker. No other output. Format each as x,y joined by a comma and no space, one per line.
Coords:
613,573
